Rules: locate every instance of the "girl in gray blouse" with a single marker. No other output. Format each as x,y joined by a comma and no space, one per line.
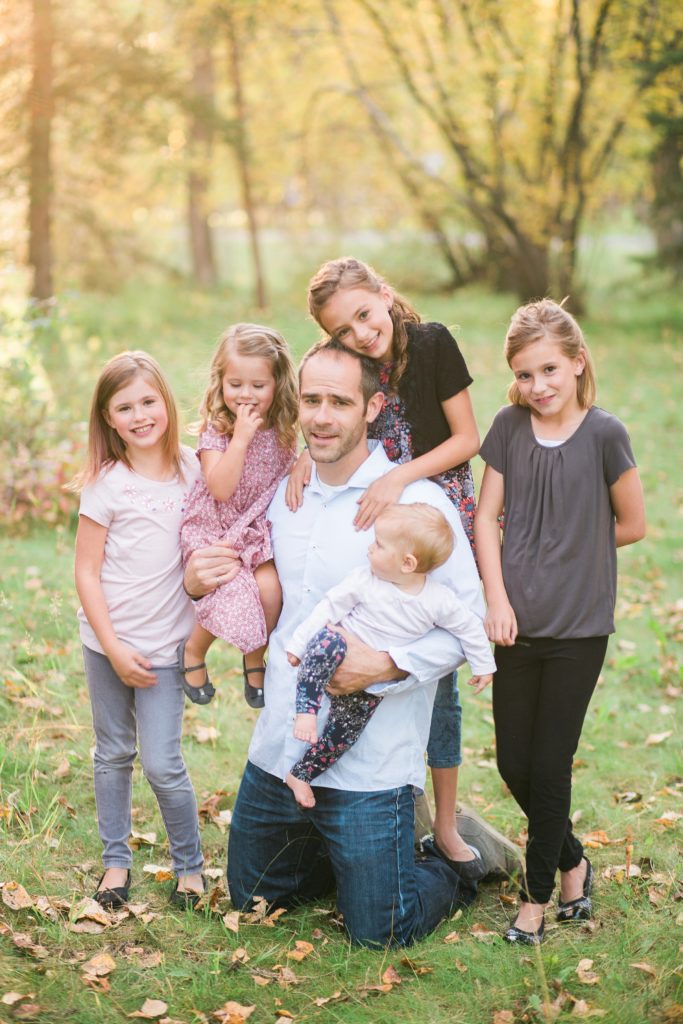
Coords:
562,473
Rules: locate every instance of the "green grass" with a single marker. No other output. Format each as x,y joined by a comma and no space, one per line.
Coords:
49,839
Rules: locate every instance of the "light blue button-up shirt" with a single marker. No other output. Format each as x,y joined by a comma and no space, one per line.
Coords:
314,548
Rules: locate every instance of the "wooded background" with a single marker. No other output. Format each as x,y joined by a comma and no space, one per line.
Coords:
150,136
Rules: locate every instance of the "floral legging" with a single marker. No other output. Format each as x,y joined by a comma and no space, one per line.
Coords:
348,715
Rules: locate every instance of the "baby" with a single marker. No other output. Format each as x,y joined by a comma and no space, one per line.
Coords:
391,601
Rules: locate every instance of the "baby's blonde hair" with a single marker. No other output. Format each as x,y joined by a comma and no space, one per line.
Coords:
423,530
265,343
105,447
547,319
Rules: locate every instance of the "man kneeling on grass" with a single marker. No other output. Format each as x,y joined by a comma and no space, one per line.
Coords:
359,835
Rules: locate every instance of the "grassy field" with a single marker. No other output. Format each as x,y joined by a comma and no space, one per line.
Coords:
628,783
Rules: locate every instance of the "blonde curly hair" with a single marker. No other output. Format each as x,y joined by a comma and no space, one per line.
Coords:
265,343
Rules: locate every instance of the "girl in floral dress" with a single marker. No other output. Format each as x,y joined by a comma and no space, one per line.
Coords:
428,429
247,445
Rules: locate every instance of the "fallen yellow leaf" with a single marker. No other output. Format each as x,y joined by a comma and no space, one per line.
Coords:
151,1009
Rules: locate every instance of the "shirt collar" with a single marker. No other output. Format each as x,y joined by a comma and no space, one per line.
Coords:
371,469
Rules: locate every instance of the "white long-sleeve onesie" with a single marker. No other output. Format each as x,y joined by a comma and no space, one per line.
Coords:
382,614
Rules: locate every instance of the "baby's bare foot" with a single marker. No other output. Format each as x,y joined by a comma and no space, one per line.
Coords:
303,793
304,728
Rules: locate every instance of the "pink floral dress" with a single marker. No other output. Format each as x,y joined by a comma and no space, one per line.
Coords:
233,611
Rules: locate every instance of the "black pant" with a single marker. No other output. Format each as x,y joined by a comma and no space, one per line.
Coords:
541,692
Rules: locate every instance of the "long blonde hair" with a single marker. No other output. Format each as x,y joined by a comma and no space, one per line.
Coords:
266,343
547,319
105,447
349,272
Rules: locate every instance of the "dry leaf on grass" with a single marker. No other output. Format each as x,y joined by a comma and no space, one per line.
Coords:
655,738
584,973
628,797
503,1017
599,838
90,910
159,873
619,872
27,1011
205,733
62,770
232,1013
669,819
460,966
232,921
646,968
22,940
15,896
286,976
484,934
302,949
240,956
391,976
12,998
138,839
381,988
99,965
581,1008
415,967
323,1000
151,1009
453,937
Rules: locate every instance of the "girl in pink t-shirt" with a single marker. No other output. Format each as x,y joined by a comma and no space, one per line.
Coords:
247,445
134,612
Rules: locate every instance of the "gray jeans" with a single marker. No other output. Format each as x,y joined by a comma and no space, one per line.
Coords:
156,714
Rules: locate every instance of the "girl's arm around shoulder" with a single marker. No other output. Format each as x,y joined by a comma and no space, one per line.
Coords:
500,622
626,496
299,478
462,445
130,666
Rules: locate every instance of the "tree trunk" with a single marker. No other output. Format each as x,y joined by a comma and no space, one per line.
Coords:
243,163
667,213
40,171
201,139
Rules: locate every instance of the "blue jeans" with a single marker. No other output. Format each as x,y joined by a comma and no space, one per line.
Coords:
443,748
362,842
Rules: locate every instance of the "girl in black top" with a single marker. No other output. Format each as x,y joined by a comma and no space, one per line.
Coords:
428,429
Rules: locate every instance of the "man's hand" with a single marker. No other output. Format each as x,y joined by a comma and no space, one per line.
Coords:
480,682
361,667
210,567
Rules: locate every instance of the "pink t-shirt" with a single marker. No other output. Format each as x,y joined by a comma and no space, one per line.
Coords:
142,575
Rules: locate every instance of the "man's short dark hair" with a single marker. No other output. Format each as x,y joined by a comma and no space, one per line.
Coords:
369,368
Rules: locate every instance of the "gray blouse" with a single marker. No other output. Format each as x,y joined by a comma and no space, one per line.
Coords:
559,553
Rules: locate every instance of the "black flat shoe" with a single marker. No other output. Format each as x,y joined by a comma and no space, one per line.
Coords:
580,909
517,936
184,899
253,694
197,694
469,870
112,899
